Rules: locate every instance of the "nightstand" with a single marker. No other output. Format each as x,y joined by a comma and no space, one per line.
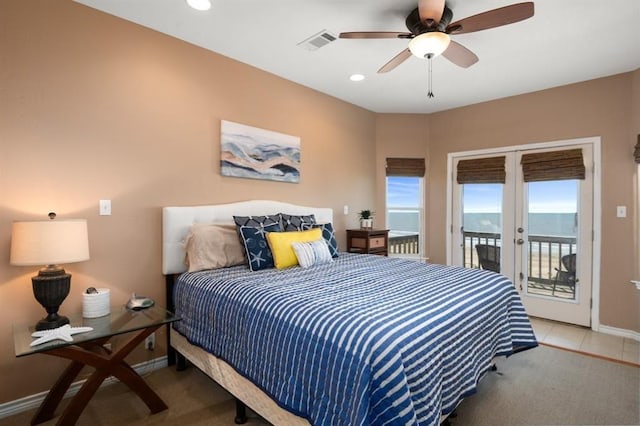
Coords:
370,241
91,349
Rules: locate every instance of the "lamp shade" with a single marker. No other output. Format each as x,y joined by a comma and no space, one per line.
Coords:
429,44
49,242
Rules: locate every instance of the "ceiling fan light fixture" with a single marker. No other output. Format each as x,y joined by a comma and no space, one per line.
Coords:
356,77
200,4
429,44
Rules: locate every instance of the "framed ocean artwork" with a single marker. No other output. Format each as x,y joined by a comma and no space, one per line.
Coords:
254,153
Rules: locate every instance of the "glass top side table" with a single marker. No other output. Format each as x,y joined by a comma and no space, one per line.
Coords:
89,349
120,321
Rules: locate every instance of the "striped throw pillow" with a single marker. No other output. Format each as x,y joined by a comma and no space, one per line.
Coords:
312,253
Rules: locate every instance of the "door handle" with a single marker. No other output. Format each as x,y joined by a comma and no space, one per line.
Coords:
519,241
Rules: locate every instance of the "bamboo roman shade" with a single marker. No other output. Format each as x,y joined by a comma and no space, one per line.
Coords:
555,165
405,167
481,170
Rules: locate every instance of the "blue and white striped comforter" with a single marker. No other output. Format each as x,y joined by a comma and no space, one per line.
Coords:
363,340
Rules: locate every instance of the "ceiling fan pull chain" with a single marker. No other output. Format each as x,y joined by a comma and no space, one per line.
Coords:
430,92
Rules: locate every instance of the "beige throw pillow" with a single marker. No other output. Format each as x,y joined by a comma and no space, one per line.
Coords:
213,246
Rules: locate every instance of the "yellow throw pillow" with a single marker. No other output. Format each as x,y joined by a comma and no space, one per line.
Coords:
280,244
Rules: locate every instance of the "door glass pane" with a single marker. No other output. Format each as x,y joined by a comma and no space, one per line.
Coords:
552,243
404,213
482,225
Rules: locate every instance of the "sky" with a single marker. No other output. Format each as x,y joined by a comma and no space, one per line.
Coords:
544,197
403,191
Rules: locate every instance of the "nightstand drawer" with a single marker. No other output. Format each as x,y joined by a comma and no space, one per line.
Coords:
359,243
377,242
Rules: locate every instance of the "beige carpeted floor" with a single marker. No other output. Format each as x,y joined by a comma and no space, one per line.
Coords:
543,386
548,386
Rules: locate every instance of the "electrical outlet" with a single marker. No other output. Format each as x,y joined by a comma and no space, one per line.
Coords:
150,342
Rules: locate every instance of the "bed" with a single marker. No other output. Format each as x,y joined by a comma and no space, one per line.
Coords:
360,340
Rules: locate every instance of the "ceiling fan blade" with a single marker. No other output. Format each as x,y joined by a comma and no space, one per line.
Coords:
460,55
492,18
430,11
375,34
397,60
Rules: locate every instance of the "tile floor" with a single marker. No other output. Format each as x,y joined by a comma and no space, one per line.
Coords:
585,340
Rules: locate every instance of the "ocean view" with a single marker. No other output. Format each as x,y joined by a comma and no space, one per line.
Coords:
548,224
403,222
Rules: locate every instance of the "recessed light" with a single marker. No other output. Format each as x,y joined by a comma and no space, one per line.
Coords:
356,77
199,4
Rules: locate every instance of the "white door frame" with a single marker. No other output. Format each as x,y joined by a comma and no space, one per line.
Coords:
595,141
578,309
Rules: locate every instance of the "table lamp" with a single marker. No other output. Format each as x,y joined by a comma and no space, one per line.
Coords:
50,243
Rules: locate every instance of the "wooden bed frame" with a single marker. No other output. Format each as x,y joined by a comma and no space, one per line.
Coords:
176,222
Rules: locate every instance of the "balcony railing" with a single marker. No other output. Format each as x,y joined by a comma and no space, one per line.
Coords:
404,244
544,260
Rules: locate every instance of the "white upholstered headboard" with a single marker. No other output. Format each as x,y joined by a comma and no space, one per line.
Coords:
176,222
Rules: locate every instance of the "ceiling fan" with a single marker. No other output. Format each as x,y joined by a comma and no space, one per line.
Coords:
429,28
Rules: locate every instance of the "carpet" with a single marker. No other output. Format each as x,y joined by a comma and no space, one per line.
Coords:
549,386
542,386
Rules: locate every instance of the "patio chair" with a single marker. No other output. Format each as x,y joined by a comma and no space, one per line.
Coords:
566,277
489,257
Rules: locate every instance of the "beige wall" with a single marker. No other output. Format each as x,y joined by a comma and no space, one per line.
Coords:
595,108
93,107
600,107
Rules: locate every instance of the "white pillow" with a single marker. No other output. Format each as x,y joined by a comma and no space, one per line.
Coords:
312,253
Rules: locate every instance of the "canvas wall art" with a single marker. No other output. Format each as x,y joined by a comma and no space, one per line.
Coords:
250,152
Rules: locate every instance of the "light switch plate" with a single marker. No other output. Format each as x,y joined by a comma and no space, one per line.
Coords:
105,207
621,211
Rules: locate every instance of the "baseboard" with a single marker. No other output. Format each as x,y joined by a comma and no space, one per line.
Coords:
621,332
33,401
592,355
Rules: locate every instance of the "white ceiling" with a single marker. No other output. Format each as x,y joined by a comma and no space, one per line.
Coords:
566,41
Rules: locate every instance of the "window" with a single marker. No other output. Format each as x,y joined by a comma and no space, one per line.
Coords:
405,219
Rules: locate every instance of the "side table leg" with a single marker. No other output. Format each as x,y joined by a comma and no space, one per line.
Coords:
47,409
127,375
106,363
78,403
136,383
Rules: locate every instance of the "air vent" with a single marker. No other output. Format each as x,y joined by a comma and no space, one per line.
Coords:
317,40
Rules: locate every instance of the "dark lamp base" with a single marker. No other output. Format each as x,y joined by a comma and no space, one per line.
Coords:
50,287
50,322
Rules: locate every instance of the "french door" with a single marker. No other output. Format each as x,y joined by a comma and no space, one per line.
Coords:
534,228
